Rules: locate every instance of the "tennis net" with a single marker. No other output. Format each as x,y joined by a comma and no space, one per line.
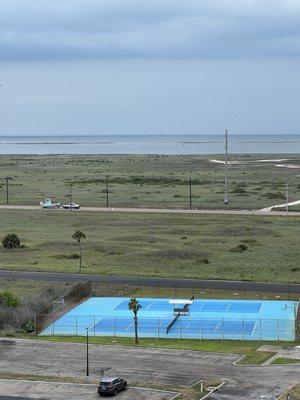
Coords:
171,324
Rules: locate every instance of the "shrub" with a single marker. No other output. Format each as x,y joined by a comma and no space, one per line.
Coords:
11,241
8,299
240,248
295,269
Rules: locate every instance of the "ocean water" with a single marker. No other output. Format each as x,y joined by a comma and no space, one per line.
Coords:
150,144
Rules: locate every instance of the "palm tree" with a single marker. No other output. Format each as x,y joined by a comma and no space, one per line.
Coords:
134,306
78,236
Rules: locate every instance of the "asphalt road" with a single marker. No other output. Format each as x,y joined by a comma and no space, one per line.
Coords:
153,282
156,210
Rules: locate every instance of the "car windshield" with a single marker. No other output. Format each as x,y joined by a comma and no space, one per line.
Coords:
105,383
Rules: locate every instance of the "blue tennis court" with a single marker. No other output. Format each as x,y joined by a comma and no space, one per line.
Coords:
202,319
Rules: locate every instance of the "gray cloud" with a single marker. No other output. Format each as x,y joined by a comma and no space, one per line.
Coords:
156,29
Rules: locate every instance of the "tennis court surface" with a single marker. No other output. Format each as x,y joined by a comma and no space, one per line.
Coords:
200,319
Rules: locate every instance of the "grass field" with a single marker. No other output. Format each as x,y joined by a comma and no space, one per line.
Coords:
188,246
150,180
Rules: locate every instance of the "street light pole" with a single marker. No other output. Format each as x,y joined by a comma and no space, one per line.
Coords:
87,351
226,162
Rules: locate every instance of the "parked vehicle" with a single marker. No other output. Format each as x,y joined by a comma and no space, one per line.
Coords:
47,203
111,386
71,206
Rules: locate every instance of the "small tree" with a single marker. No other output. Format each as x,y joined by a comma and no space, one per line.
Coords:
11,241
78,236
134,306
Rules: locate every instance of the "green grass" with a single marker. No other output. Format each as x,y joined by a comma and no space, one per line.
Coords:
149,180
256,358
283,361
294,392
167,245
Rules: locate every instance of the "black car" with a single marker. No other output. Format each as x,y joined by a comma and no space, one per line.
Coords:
111,386
71,206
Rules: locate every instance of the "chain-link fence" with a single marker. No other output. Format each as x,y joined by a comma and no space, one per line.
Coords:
184,327
160,288
49,314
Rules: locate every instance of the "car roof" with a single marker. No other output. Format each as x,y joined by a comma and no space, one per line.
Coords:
109,378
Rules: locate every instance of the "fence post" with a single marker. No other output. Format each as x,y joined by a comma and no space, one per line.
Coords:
115,321
94,325
76,329
243,329
260,330
223,333
180,328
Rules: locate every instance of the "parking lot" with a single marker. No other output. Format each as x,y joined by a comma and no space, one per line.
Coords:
142,367
61,391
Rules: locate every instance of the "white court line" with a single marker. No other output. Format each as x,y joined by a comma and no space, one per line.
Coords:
254,328
228,307
149,305
118,304
188,325
217,327
129,326
93,325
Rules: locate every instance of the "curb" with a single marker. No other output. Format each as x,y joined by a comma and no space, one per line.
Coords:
213,390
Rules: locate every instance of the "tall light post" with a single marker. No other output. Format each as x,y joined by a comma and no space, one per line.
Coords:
226,166
87,352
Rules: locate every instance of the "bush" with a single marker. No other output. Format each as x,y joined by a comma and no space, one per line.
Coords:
8,299
295,269
11,241
240,248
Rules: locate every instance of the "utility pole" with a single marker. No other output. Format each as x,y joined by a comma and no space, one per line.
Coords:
70,195
106,191
87,352
287,198
7,178
226,173
190,191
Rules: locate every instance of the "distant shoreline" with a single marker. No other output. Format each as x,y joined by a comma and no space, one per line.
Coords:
150,144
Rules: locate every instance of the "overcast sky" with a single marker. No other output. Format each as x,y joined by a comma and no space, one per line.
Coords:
141,66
